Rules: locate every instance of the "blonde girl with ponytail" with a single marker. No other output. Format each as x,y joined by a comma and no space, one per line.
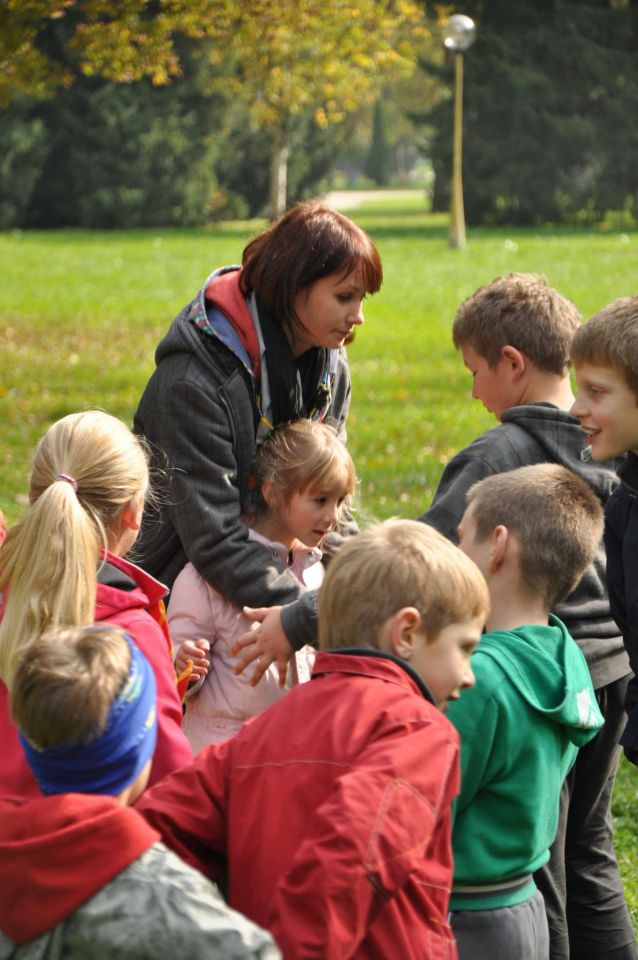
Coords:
63,565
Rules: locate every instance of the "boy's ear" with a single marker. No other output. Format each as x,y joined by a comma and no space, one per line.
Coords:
500,538
515,360
403,627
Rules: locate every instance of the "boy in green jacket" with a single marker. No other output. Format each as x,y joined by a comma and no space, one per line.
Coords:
532,532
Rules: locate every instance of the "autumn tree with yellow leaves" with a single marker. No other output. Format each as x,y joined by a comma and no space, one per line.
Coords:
284,58
279,58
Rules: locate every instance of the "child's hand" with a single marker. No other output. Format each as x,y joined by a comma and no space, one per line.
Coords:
196,651
267,644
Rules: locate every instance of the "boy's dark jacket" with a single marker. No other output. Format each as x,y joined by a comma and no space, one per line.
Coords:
541,433
621,543
83,876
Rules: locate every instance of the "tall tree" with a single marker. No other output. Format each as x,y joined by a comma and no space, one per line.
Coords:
379,159
286,57
280,58
122,41
106,154
551,90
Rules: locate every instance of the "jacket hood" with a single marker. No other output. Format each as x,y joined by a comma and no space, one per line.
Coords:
224,291
210,310
123,586
565,442
550,673
57,852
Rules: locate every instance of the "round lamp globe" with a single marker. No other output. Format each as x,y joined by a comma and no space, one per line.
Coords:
459,33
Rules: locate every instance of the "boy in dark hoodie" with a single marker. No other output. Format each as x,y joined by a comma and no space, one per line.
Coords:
515,336
531,532
605,358
81,873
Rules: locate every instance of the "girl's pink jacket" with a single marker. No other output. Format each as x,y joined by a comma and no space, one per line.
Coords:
129,598
218,705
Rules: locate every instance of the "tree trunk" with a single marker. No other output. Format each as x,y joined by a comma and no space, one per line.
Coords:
278,174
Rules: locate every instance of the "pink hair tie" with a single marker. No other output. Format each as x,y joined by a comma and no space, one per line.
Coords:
68,479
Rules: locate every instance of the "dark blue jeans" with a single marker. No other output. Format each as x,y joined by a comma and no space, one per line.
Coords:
586,910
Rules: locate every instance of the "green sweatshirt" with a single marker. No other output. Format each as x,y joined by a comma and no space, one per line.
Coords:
521,725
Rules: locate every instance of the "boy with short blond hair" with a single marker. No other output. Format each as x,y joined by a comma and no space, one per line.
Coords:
532,532
605,358
398,567
82,873
331,810
515,335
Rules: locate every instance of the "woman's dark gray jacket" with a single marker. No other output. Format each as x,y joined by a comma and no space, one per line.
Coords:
200,416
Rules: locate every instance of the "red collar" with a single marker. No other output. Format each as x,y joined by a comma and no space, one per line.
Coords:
225,292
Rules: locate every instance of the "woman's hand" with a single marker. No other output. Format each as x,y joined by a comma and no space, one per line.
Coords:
195,651
267,644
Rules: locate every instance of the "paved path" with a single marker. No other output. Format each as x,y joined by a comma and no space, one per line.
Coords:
347,199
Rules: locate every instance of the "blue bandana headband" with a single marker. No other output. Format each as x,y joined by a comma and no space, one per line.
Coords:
114,760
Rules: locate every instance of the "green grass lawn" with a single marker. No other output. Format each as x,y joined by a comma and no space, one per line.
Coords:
81,313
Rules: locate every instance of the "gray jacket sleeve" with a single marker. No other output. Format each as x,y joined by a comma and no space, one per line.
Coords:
449,501
299,621
161,908
337,416
208,442
157,909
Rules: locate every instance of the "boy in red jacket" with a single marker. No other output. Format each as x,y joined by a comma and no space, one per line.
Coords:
331,810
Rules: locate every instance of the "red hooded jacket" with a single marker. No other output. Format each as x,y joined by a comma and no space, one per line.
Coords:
129,598
331,812
57,852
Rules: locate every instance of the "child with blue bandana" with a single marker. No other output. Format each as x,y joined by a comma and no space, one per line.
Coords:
81,873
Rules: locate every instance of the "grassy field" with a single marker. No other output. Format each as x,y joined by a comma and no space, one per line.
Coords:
81,313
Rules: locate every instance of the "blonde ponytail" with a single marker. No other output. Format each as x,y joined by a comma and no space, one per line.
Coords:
87,468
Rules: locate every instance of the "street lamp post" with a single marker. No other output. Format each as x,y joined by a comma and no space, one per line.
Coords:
458,36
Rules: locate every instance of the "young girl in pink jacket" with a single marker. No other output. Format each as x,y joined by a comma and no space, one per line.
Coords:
305,475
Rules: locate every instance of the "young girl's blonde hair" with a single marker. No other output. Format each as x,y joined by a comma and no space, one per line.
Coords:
87,469
304,454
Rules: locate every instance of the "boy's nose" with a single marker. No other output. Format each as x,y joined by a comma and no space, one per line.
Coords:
469,679
578,408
